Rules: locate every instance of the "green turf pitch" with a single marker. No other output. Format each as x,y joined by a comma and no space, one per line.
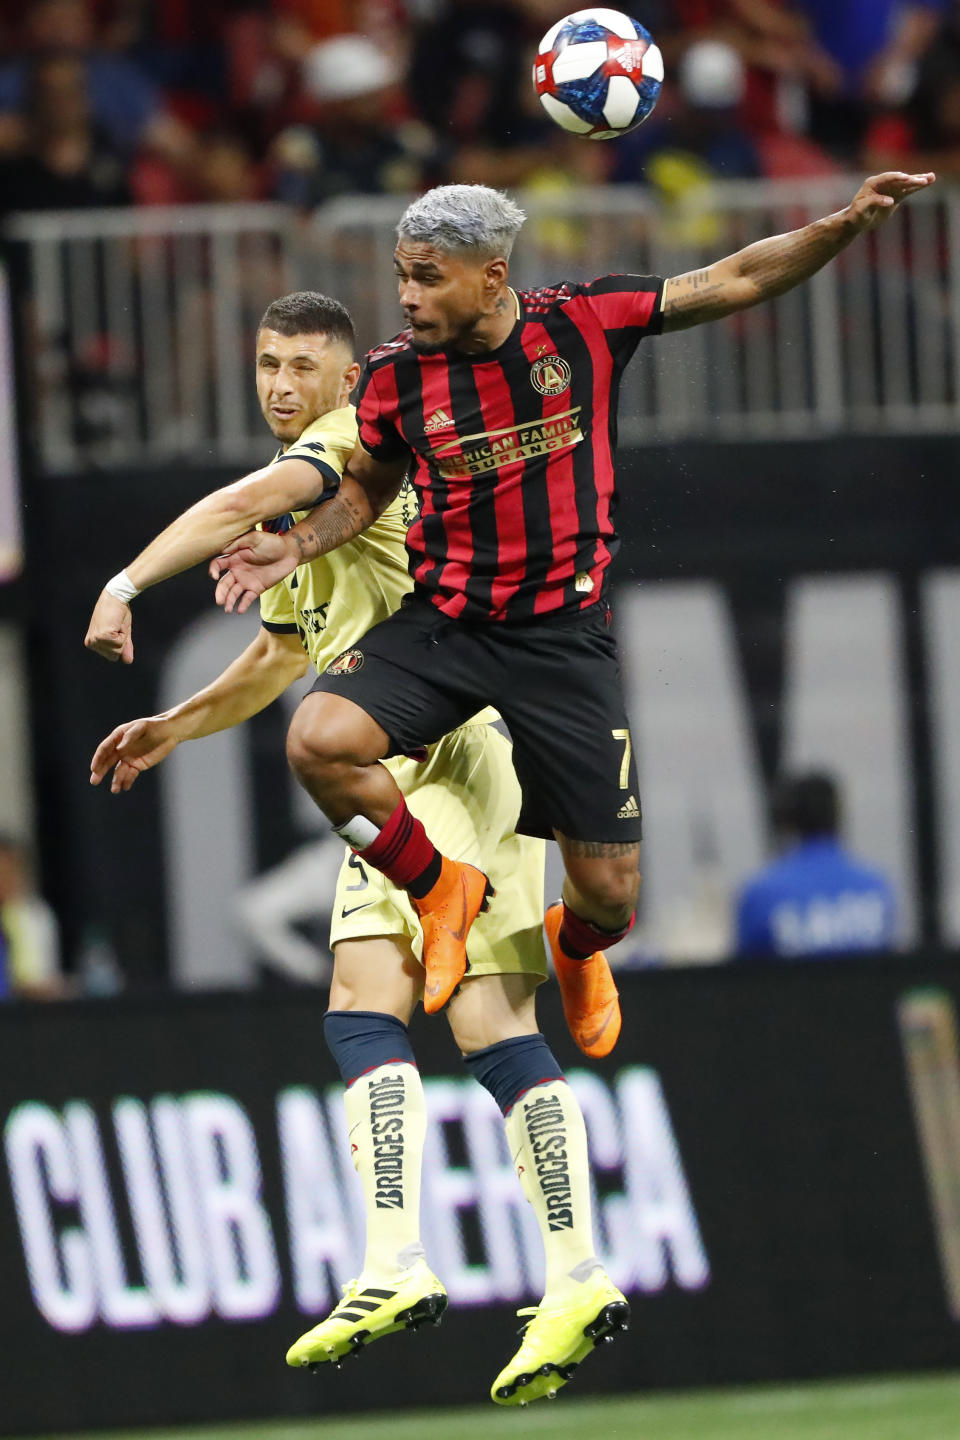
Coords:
918,1408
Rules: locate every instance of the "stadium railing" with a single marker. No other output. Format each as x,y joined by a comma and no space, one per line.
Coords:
141,320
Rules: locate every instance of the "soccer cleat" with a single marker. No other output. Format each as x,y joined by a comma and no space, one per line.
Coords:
446,913
368,1312
560,1334
590,1001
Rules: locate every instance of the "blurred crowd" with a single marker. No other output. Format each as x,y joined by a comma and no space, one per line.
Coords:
107,102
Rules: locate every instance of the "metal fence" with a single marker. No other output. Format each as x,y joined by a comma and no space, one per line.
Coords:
141,321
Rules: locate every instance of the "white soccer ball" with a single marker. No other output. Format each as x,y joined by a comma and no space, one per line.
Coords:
598,73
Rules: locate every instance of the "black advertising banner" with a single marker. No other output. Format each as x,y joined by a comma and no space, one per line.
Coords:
776,1153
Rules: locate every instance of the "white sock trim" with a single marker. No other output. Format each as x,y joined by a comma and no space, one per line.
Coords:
358,832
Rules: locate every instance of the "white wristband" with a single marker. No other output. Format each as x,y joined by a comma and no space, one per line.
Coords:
121,587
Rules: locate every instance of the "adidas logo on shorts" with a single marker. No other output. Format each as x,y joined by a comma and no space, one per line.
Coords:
629,810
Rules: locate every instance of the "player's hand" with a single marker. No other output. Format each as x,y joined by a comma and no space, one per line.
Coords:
110,632
131,748
878,197
250,566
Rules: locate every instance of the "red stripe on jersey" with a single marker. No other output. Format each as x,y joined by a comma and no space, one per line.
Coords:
383,387
618,308
370,434
496,407
453,568
561,487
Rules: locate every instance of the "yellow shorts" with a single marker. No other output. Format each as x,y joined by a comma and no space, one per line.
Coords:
467,796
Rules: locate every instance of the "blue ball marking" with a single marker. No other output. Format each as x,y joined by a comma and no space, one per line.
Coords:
585,97
580,31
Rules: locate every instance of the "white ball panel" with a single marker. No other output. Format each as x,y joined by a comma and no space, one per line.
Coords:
577,62
653,63
614,20
621,103
563,115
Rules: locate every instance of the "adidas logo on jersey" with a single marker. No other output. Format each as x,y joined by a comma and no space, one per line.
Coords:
629,810
439,420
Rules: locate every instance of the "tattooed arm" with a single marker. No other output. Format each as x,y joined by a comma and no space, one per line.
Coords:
771,267
253,563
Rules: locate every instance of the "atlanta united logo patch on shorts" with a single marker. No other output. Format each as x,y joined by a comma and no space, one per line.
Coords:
346,663
551,375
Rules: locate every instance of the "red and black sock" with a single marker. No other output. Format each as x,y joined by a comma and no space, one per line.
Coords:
579,938
405,854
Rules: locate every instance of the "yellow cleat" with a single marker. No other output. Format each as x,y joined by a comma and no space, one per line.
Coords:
559,1336
368,1312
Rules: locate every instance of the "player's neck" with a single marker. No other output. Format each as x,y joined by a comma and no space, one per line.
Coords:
493,330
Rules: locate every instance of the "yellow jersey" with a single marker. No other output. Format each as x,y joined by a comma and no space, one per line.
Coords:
333,601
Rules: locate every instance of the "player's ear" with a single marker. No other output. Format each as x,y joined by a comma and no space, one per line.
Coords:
351,375
495,273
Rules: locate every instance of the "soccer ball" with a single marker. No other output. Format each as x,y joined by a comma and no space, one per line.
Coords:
598,73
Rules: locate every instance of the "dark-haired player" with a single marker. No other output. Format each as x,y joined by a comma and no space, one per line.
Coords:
465,790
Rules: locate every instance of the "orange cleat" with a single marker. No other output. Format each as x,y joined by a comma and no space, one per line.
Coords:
590,1000
446,913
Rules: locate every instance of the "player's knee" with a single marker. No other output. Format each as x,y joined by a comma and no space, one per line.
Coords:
318,739
327,732
308,748
612,891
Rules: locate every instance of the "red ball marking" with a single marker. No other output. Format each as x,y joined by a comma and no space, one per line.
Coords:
625,57
543,73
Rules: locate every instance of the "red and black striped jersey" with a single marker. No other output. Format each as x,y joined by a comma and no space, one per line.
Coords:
513,449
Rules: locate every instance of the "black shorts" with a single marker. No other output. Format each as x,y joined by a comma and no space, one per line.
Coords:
556,683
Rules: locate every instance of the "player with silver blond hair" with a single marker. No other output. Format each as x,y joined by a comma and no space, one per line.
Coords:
505,405
463,217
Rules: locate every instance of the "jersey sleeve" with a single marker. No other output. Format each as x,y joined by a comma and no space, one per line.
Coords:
277,613
324,456
628,307
377,415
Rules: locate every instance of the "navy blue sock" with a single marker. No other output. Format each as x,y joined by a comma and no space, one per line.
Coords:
511,1067
361,1040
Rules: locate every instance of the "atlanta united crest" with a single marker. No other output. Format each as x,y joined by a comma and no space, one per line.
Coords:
550,375
346,664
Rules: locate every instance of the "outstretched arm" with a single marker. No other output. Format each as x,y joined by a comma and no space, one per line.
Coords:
264,670
253,563
198,533
771,267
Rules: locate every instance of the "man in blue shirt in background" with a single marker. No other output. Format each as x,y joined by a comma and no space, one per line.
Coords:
815,898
